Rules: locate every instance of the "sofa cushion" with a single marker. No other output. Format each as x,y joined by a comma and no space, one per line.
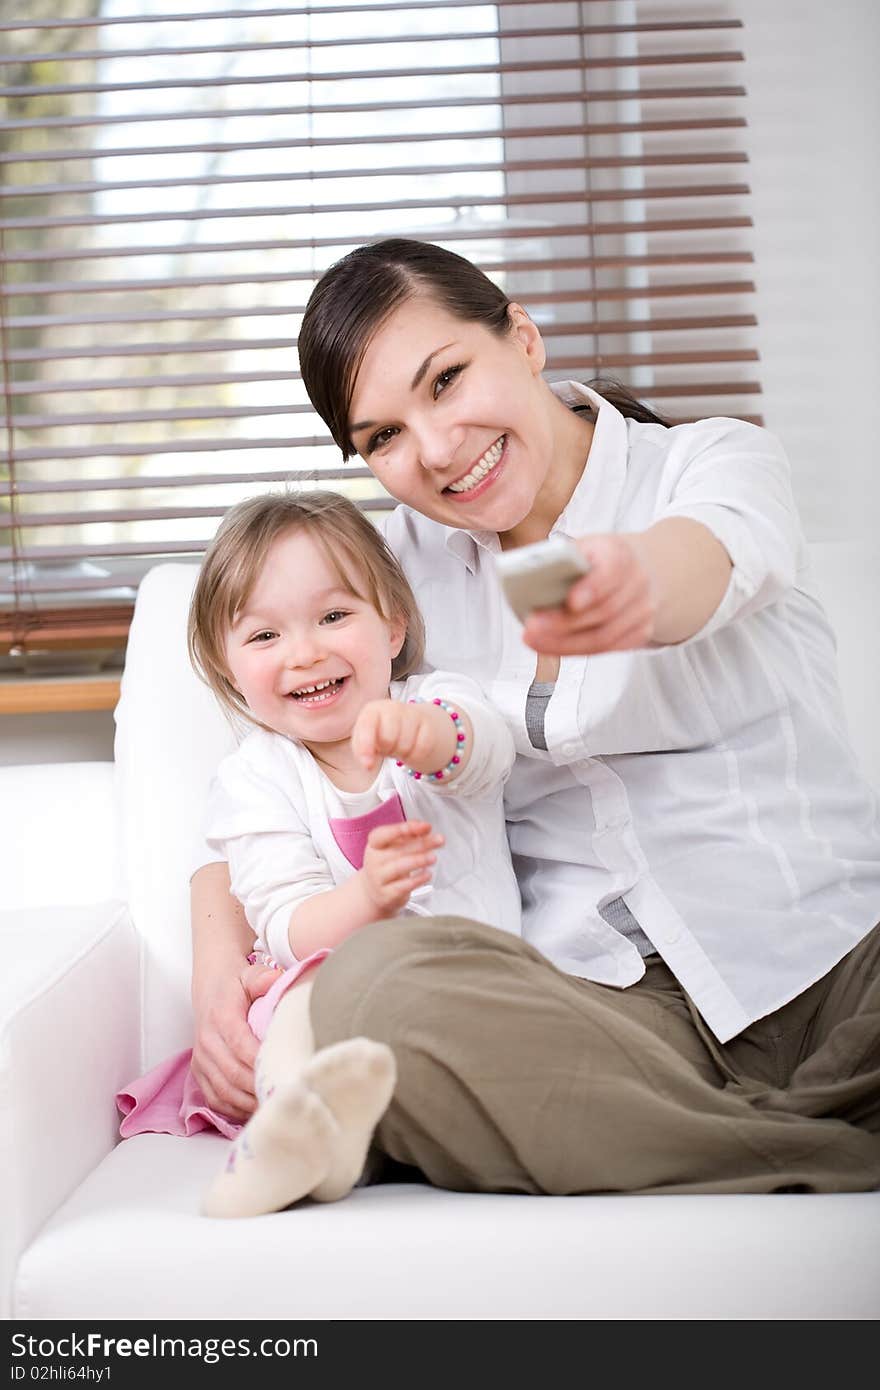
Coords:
411,1251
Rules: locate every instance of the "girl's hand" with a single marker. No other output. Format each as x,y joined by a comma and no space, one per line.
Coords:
397,860
225,1049
612,609
418,735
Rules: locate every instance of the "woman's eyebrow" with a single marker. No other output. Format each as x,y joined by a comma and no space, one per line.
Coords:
416,381
420,374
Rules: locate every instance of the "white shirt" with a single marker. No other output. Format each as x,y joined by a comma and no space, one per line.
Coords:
710,784
270,805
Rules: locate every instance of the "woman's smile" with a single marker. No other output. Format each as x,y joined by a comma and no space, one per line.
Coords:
482,474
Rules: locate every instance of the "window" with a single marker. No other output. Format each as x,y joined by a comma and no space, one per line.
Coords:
177,175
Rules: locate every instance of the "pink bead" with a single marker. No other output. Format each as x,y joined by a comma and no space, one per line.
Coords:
438,702
460,738
453,714
456,758
438,775
398,763
417,775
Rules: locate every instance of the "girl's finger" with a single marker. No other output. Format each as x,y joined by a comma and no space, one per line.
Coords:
404,866
408,883
383,836
363,738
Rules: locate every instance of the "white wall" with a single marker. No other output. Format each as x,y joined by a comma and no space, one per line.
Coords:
814,113
814,120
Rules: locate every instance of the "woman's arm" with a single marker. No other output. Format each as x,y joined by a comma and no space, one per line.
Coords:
223,988
725,542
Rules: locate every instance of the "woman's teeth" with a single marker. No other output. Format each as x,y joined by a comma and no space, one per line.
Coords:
316,693
479,470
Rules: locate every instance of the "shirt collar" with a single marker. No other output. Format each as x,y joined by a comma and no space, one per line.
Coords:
593,504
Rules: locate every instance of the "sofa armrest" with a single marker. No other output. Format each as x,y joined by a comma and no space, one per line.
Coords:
58,826
69,1039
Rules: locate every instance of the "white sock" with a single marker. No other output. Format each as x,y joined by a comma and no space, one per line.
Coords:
289,1042
355,1080
285,1149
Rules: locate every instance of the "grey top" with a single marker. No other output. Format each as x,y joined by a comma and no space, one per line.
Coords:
616,913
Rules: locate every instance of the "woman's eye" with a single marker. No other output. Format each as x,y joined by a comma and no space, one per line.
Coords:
379,439
446,378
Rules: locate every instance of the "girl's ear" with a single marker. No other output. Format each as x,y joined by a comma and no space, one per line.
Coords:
397,634
528,337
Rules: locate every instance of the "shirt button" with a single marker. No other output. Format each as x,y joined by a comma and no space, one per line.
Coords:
570,750
670,934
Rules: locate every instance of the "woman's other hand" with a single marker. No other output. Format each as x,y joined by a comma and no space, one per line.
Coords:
225,1049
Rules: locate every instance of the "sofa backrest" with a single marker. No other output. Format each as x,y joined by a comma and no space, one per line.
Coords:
171,735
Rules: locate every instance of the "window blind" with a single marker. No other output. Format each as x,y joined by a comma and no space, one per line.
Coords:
176,177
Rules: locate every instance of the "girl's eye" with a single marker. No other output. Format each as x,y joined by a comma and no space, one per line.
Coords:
446,378
379,439
265,636
334,616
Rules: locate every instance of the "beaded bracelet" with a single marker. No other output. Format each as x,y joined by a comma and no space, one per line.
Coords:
460,738
263,958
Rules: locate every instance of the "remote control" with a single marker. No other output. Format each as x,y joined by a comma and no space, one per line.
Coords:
540,575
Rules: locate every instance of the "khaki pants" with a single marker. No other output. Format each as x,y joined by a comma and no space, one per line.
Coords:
514,1077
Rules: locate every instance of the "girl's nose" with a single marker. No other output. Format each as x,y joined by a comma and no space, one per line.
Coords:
302,650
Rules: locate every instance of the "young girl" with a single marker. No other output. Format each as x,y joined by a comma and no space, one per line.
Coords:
333,808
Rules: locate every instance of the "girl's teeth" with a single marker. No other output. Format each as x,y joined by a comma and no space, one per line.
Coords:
322,691
479,471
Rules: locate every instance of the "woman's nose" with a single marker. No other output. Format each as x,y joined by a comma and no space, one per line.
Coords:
436,448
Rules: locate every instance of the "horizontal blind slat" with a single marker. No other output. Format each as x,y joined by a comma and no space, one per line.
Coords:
309,43
442,234
286,310
518,166
729,256
498,69
66,485
202,16
212,345
502,100
121,548
317,142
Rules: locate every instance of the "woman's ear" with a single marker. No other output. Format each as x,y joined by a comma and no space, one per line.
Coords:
528,336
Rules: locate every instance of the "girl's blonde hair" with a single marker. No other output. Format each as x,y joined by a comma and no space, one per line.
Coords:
233,561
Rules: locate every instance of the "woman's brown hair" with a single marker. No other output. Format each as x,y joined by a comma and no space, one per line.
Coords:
235,557
357,294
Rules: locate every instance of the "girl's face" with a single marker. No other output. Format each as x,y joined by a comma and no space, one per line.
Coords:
304,652
455,420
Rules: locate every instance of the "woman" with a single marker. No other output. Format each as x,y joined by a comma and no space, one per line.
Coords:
696,1004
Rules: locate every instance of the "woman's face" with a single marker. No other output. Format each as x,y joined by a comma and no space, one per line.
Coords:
454,420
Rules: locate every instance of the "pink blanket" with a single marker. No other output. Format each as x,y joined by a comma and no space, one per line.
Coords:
169,1100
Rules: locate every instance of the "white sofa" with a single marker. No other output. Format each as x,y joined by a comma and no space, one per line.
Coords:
96,988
